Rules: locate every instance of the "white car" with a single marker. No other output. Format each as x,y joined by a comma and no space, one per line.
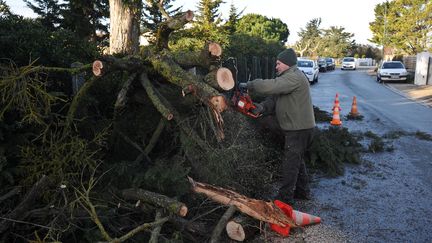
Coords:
348,63
392,71
309,68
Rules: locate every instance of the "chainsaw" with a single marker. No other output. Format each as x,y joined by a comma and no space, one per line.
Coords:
243,102
239,96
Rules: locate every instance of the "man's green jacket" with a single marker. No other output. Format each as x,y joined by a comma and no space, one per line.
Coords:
291,99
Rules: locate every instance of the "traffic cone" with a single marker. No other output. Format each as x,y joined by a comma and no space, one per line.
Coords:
336,117
354,112
336,103
304,219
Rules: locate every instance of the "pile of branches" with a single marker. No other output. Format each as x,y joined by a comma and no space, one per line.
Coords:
111,163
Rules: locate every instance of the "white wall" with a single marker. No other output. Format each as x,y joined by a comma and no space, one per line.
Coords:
422,66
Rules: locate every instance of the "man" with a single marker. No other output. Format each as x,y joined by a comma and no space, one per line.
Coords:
291,101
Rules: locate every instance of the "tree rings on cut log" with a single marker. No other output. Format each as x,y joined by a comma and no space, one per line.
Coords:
235,231
97,68
225,78
219,103
215,49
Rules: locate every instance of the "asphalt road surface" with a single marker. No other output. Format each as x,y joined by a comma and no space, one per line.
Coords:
388,197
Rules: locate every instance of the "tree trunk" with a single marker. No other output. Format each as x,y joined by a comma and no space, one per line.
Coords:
124,27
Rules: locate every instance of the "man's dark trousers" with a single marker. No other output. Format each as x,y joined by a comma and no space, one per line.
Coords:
295,178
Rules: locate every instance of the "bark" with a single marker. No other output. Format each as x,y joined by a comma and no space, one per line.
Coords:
124,27
166,66
258,209
172,205
241,228
173,23
11,193
28,201
191,226
221,224
207,58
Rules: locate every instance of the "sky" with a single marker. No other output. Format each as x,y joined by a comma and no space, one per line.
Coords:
353,15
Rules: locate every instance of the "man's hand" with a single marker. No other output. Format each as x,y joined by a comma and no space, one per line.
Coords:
258,110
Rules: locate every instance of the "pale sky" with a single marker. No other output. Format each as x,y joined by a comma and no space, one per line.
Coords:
353,15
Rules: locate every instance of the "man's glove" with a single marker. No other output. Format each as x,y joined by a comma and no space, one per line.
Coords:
258,110
243,85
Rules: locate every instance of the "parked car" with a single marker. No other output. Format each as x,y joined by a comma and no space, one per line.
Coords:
392,71
330,63
309,68
322,65
348,63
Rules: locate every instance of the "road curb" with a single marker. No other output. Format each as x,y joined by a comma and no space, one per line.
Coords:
397,91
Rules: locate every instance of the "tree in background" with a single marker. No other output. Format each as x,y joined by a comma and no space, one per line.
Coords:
85,18
4,9
233,18
310,38
335,42
152,15
49,12
403,25
269,29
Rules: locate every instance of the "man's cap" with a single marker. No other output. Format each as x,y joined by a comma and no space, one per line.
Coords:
288,56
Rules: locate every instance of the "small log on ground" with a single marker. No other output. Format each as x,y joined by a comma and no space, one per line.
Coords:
109,63
258,209
220,79
241,228
172,205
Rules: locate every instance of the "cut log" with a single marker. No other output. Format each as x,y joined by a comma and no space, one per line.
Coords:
241,228
220,79
258,209
109,63
163,201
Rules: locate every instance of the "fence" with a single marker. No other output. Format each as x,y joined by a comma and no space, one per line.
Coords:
251,68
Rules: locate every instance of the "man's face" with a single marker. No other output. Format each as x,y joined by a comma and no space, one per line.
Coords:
281,67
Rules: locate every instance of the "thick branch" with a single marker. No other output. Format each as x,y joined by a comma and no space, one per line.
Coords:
261,210
160,106
188,81
172,205
209,56
110,63
221,224
174,23
26,203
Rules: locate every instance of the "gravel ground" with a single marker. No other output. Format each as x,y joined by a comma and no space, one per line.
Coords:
387,198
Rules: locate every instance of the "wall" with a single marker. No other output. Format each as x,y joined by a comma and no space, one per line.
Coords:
422,71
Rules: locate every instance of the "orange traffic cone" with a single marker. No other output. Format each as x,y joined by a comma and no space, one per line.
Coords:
354,111
336,118
336,103
304,219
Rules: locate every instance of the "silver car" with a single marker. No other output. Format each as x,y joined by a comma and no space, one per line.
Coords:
392,71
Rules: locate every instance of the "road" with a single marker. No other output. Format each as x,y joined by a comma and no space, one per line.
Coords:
388,197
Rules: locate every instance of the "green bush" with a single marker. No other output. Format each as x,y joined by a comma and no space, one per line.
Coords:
24,40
